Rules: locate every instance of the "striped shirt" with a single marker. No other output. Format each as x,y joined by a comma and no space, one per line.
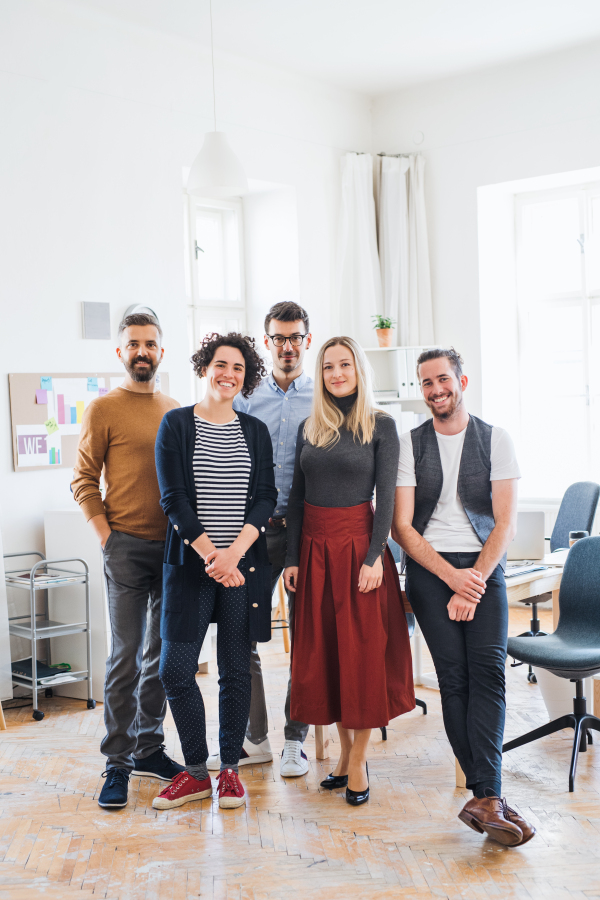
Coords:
221,475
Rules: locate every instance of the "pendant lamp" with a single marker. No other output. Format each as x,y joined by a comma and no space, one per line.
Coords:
216,171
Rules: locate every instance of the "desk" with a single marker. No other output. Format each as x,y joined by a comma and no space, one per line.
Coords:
520,587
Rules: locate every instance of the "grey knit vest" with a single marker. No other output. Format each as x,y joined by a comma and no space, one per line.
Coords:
474,485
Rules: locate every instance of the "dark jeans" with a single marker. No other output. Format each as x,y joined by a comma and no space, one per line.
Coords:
469,659
179,667
258,724
134,699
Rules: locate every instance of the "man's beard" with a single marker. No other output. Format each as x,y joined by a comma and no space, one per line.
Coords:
455,404
141,375
290,362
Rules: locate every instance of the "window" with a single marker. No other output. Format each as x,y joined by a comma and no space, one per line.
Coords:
214,270
558,303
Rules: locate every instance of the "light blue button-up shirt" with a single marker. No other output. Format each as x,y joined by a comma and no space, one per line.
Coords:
282,413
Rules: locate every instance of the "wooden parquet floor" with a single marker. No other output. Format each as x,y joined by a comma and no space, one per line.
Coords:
293,841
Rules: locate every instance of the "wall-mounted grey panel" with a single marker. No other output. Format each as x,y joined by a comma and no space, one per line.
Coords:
96,321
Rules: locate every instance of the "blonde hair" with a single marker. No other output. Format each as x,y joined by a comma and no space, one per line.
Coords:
322,428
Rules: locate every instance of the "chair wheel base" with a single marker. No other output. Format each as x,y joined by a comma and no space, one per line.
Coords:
38,715
531,678
582,723
91,704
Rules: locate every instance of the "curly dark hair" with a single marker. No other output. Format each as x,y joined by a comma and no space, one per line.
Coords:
255,370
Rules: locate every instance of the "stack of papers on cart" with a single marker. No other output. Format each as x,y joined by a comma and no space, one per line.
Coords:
40,578
45,674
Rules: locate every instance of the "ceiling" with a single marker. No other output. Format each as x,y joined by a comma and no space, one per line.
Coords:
372,46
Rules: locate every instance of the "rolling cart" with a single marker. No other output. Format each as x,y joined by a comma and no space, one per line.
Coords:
44,575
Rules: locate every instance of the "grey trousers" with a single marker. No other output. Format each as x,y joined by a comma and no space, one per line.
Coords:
134,698
258,724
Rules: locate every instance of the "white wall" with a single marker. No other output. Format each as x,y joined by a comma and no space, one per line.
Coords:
271,254
528,119
98,119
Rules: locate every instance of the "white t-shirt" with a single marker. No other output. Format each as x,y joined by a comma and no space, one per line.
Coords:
449,529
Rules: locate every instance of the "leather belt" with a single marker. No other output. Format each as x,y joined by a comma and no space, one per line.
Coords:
277,522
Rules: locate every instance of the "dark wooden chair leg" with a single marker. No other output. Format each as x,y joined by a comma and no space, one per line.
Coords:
577,740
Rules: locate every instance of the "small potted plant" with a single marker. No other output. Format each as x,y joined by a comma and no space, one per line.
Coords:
383,326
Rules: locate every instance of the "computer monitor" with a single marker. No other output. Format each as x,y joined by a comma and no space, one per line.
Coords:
528,542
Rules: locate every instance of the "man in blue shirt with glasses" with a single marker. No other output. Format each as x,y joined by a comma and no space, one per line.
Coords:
282,401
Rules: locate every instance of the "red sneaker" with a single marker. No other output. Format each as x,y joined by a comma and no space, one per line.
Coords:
183,789
230,790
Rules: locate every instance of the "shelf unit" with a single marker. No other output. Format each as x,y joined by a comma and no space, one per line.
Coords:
43,576
394,370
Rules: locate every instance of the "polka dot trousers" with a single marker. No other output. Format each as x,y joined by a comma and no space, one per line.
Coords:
179,666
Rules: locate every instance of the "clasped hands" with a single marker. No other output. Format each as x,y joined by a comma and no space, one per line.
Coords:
222,565
369,577
469,587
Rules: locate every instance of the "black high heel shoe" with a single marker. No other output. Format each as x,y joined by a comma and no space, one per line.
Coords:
356,798
334,781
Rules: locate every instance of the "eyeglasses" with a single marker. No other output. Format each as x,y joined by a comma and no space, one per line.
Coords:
279,340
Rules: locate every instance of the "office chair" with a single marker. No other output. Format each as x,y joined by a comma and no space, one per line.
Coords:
573,650
410,621
577,512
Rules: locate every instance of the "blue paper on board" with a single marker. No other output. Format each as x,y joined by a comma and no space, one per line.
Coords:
92,384
46,382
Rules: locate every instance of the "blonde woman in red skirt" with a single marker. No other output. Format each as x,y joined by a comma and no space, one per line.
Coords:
351,661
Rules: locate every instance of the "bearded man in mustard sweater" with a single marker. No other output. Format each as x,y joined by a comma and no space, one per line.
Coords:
117,440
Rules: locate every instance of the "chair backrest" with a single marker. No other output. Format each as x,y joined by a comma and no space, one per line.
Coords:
576,513
397,554
579,598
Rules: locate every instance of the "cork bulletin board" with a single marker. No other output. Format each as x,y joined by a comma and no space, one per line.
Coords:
46,412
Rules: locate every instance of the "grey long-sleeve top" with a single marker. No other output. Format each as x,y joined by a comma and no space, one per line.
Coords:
345,475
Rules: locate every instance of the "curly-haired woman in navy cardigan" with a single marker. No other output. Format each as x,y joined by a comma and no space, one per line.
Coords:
215,471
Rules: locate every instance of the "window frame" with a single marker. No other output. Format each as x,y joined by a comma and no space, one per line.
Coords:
198,309
583,298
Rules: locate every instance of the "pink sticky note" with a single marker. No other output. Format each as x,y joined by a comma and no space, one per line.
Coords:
41,396
102,391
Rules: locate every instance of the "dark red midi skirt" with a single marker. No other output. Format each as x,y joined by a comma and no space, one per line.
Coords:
351,660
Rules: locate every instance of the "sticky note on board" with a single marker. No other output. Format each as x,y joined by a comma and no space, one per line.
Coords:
41,396
92,384
46,382
51,425
102,391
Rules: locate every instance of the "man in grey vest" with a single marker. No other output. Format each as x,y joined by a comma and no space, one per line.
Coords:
455,515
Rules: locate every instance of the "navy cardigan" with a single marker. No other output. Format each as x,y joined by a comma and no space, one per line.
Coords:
182,566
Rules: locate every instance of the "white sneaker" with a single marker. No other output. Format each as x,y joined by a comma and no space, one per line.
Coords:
252,754
293,760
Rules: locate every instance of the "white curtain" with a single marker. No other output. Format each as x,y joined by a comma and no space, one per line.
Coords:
359,275
404,249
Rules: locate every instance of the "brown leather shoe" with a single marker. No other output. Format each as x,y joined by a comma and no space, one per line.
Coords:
513,816
487,815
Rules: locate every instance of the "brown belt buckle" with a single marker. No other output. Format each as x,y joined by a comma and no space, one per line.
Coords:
277,522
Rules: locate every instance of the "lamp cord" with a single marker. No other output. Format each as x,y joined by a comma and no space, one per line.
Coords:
212,50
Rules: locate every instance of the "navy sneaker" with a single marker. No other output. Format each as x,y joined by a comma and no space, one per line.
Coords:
157,765
114,791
